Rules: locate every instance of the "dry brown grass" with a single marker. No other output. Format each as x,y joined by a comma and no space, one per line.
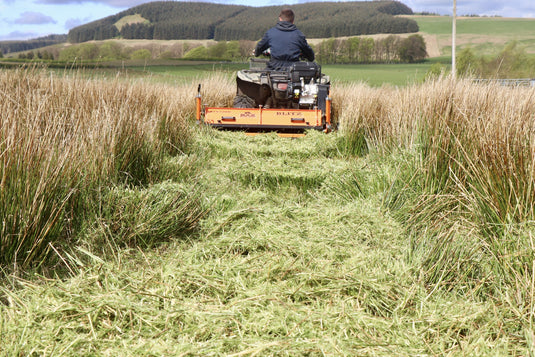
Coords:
63,138
476,138
470,192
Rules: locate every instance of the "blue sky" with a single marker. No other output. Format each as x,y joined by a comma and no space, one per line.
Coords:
25,19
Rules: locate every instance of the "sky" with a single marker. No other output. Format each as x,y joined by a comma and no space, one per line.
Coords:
27,19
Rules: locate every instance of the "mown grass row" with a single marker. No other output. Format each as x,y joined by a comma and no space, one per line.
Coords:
467,194
77,155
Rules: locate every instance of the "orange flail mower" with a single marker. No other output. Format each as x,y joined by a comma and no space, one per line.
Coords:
288,102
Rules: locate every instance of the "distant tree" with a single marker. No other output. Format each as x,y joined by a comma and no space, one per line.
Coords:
389,47
512,61
246,48
166,55
512,58
233,51
46,55
69,54
466,62
326,51
412,49
435,71
353,46
200,52
142,54
177,50
111,50
88,51
366,50
218,50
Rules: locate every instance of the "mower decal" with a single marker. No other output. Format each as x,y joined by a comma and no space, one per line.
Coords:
247,115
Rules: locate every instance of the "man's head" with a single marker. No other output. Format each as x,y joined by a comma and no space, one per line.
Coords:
287,15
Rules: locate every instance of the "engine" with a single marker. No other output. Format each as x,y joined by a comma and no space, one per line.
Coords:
299,87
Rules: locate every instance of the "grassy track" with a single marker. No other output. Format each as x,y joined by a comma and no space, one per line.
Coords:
298,257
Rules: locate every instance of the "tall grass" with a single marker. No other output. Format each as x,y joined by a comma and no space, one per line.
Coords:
470,194
62,139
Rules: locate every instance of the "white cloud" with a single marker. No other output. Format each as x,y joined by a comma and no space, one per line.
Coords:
18,35
112,3
34,18
71,23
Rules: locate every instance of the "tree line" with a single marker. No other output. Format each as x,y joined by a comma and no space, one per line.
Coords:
391,49
165,20
323,20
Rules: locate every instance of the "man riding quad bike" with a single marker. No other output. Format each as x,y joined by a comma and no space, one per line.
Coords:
284,94
285,82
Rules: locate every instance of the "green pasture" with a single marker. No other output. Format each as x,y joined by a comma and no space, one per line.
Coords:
372,74
187,71
180,72
441,25
378,74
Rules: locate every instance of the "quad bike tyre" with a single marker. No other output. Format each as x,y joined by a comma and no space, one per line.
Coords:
243,101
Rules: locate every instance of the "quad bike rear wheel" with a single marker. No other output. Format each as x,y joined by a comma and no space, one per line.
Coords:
243,101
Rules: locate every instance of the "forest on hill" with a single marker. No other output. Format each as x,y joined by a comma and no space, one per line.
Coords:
164,20
18,46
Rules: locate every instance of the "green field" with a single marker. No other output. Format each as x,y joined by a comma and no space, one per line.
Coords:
378,74
485,35
372,74
442,25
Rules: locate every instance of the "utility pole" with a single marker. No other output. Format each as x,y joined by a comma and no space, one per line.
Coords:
453,36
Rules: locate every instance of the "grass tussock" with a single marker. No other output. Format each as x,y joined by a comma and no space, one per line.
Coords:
64,139
144,217
469,196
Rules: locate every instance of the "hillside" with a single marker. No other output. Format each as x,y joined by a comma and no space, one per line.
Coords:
195,20
16,46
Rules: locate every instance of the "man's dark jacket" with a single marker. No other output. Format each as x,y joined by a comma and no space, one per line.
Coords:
287,43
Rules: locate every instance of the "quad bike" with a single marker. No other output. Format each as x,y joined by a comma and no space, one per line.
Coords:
288,101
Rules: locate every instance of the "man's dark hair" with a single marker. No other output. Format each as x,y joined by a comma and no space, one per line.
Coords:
287,15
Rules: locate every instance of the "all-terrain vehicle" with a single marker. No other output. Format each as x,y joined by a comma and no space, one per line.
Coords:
290,100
